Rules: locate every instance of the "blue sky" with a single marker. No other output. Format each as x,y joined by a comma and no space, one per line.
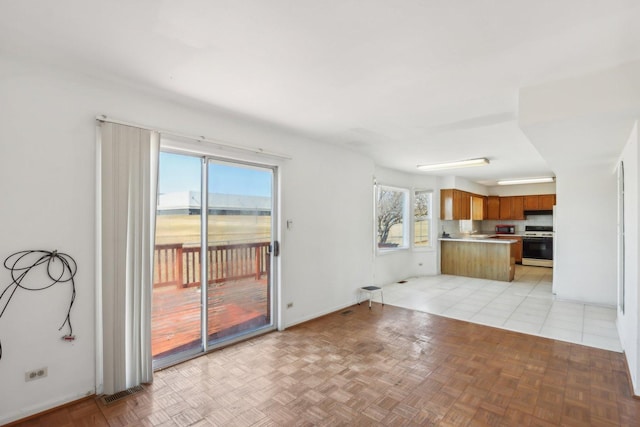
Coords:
182,173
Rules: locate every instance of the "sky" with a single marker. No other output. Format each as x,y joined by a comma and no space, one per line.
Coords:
182,173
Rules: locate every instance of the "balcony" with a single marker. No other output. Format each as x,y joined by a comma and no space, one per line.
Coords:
237,294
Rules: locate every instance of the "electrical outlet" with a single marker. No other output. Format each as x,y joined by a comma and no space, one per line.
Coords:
289,305
36,374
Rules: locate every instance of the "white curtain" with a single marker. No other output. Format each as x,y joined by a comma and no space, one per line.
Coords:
129,174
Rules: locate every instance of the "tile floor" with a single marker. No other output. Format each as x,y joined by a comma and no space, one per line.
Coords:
524,305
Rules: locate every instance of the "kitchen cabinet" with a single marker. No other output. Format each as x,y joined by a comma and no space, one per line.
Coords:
455,204
517,207
531,203
517,248
446,204
478,211
464,201
547,201
512,207
540,202
458,204
505,208
493,207
481,258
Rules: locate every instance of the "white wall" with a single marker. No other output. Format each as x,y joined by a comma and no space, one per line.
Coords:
585,235
580,125
452,181
628,321
522,190
397,265
48,181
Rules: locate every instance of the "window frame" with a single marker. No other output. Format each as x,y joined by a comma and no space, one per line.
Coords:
429,219
406,219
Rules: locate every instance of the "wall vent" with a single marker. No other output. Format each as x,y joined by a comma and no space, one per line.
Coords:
107,400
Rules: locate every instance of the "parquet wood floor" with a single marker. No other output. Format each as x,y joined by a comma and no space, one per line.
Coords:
386,366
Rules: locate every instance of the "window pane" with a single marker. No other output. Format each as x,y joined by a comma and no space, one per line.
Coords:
422,218
391,208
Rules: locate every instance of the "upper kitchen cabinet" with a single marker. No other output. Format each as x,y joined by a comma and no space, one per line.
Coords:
478,207
447,205
452,204
463,200
541,202
456,204
493,207
531,203
505,208
512,207
547,201
517,207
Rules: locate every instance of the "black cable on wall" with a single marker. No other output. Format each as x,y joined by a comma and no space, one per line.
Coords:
59,268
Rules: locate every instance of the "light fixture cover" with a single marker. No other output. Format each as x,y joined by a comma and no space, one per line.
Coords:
454,165
526,181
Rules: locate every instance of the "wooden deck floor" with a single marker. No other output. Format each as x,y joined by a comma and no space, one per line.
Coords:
233,307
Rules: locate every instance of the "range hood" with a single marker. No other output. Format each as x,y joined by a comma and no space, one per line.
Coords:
546,212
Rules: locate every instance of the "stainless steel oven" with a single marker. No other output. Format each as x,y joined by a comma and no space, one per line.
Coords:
537,246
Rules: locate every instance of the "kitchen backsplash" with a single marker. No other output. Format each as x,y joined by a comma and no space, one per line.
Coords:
489,226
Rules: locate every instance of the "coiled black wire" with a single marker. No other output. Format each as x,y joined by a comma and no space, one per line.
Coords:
20,264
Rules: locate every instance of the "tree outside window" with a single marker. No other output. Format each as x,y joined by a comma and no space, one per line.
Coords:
391,216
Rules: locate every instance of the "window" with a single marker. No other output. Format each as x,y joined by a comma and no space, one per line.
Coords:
392,207
422,218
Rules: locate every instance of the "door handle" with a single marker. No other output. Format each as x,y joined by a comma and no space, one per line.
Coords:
274,248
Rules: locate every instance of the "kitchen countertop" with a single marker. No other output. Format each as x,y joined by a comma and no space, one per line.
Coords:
478,239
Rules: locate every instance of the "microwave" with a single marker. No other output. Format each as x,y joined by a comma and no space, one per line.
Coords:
505,229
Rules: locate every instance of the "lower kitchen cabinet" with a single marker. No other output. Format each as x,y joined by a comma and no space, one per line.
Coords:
483,259
517,247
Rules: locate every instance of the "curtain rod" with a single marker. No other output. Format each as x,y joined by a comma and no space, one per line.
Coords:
221,144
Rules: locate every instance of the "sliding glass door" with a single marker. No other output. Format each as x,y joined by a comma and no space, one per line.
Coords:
213,266
238,259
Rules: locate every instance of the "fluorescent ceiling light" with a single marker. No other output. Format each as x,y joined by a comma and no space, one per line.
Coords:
526,181
454,165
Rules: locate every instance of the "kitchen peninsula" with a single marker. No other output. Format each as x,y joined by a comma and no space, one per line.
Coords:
483,258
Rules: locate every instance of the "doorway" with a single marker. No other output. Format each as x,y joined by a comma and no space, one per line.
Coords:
203,299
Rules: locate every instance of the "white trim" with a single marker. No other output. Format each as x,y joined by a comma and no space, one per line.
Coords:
430,247
406,220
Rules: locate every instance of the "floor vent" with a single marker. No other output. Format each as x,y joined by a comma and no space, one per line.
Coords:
346,312
108,400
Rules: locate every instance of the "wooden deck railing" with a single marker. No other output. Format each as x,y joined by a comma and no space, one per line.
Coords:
176,264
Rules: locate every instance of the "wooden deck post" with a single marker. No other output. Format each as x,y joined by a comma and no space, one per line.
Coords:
257,262
178,267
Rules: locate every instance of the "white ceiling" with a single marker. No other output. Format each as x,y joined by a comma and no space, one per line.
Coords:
406,82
